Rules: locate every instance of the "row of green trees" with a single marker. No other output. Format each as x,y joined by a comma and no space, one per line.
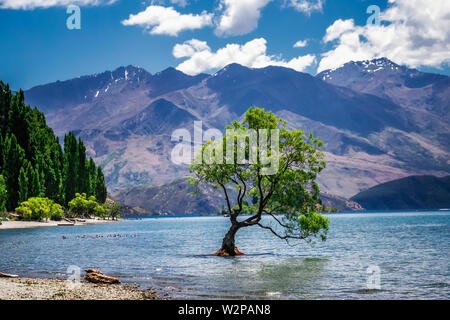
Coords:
40,209
81,206
33,163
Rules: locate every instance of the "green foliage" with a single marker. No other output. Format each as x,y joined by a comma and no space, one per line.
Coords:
81,206
32,161
23,186
87,206
100,188
70,166
314,224
13,156
3,194
101,211
35,184
92,171
113,209
290,189
25,212
39,209
56,212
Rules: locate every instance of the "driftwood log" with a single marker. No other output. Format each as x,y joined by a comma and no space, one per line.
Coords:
96,276
6,275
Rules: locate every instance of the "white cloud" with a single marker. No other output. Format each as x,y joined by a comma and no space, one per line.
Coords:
301,44
32,4
306,6
233,17
239,16
251,54
415,33
189,48
168,21
337,29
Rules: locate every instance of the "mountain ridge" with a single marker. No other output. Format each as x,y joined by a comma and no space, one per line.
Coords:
388,80
369,137
410,193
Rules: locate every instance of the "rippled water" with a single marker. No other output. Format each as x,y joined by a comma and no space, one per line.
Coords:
411,250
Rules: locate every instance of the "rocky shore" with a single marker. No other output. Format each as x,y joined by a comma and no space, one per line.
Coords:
57,289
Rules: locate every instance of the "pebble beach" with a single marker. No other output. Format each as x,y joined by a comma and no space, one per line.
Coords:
58,289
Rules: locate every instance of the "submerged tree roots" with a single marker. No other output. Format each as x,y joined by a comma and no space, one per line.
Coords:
223,253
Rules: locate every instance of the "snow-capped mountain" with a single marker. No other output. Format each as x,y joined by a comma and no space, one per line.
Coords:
88,89
379,121
351,69
406,87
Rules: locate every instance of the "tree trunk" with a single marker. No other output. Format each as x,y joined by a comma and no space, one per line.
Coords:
228,245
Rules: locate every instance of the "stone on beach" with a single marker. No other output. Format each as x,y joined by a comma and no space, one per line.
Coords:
96,276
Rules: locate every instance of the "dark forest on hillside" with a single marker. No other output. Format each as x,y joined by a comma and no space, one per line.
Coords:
34,164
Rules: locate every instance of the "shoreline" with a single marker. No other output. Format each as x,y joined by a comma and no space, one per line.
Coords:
57,289
10,225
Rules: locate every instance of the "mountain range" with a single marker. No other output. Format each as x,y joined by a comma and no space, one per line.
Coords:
379,121
177,196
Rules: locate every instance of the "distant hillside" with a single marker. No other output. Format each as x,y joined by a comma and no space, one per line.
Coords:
174,198
340,203
415,192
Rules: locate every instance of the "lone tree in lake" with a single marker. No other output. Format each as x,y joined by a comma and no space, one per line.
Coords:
273,166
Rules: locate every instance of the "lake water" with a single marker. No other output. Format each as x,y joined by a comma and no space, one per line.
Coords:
410,250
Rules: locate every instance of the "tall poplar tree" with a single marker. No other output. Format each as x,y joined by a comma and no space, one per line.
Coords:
23,185
101,192
13,157
35,185
83,174
71,166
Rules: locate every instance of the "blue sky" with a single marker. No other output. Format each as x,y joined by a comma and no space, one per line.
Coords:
37,47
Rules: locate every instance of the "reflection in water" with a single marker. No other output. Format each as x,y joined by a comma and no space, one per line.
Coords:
297,276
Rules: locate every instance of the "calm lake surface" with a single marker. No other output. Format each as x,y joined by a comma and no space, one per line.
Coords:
411,250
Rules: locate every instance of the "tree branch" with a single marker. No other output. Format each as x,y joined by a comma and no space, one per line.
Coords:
226,197
279,222
285,237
